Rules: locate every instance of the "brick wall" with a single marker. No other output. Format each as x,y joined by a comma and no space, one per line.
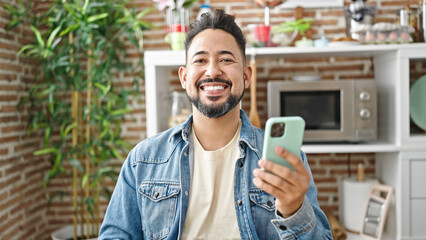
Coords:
22,200
23,203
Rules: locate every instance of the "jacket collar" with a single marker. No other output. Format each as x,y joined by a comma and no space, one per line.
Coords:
248,131
183,130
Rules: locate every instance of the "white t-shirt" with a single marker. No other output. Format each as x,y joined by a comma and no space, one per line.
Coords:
211,211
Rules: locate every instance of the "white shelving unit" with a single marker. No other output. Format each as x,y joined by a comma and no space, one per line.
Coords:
391,72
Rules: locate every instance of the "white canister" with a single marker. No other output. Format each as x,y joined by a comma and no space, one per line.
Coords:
354,200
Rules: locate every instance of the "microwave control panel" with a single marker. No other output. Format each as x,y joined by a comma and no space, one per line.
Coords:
365,123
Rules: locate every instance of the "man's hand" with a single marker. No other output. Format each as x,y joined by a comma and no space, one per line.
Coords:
289,188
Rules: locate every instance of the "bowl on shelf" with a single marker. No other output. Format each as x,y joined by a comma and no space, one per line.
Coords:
261,35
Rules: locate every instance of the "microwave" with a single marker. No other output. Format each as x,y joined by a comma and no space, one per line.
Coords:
334,111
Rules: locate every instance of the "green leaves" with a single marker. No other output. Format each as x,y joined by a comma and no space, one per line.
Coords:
143,13
45,151
39,39
188,3
69,37
120,112
26,47
97,17
133,21
301,25
18,14
84,180
52,36
41,48
86,4
69,29
12,24
105,88
65,129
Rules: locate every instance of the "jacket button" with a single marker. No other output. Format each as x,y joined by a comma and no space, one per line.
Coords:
269,203
240,202
186,193
156,195
185,154
282,227
240,164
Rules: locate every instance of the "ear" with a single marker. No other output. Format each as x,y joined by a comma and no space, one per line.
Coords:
248,71
182,76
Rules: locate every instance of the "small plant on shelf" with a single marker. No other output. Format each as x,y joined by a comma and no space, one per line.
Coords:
295,27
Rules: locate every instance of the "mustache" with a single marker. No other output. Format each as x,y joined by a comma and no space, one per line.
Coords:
210,80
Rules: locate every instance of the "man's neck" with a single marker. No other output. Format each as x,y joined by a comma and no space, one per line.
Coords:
215,133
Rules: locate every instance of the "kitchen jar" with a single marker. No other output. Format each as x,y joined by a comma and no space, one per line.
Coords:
358,15
181,108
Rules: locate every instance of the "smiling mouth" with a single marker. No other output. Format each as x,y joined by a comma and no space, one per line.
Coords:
213,87
213,84
213,90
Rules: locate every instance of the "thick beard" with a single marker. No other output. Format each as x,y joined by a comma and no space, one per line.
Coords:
216,110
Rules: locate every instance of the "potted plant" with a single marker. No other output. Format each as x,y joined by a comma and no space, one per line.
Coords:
75,100
298,26
177,21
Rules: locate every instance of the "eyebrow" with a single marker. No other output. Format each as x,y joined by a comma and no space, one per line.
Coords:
223,52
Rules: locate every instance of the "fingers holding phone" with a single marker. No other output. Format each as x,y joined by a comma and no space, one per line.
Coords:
283,174
288,187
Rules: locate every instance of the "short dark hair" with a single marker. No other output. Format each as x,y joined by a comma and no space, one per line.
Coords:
217,19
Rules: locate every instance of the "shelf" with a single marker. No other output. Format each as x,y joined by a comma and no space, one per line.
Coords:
177,58
354,236
354,50
350,147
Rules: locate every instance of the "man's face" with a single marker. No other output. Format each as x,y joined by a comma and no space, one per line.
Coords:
215,75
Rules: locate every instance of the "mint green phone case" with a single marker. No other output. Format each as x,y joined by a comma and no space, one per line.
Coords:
290,140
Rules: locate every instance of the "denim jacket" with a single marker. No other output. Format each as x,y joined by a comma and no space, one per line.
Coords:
151,196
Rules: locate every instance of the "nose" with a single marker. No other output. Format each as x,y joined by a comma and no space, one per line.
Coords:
213,70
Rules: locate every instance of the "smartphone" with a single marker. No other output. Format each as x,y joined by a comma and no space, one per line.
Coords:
286,132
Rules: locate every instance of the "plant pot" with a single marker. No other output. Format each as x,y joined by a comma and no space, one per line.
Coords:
67,233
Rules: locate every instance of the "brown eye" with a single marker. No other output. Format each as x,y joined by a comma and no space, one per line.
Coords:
199,61
227,60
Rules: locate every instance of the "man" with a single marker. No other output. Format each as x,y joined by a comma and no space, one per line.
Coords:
201,179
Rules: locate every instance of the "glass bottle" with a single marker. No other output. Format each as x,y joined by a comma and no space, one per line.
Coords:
177,21
421,21
181,108
203,9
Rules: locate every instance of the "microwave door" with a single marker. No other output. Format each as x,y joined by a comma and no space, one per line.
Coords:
325,106
341,102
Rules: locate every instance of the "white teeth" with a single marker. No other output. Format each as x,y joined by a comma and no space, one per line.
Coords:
213,88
